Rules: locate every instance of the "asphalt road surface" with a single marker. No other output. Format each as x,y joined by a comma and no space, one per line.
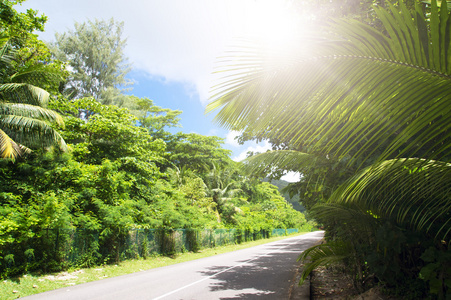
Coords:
262,272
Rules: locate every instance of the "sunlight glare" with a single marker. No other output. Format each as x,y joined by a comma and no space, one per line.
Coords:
276,25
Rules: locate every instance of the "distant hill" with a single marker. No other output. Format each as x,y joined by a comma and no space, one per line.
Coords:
282,184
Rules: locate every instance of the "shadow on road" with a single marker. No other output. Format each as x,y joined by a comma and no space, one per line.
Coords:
267,276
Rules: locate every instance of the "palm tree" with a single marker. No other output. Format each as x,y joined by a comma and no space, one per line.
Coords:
23,116
223,185
377,100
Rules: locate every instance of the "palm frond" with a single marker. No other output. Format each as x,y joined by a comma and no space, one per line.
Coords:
323,255
36,74
23,93
357,224
6,52
8,148
355,91
23,115
31,111
31,132
411,192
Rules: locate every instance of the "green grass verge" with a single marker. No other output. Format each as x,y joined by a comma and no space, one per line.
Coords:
30,284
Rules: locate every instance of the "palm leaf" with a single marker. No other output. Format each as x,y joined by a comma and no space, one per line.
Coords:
6,52
31,111
8,148
411,192
323,255
355,91
36,74
23,93
31,132
22,114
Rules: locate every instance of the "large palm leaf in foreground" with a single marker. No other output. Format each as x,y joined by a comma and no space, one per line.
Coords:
349,92
399,210
359,94
23,116
412,193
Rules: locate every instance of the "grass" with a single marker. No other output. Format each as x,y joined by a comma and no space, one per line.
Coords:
30,284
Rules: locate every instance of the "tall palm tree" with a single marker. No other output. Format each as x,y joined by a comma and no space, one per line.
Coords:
24,120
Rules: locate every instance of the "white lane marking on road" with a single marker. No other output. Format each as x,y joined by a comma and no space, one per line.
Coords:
223,271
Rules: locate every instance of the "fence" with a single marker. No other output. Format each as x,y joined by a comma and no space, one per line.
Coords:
148,242
57,249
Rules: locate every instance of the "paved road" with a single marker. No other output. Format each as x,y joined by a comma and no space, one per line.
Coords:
262,272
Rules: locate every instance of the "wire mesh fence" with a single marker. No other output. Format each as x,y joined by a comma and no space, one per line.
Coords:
55,249
76,245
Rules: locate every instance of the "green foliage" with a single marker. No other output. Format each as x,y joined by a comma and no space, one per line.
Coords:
19,25
24,120
436,269
26,70
110,132
152,117
192,237
293,199
267,209
320,122
94,50
126,187
324,255
197,152
370,108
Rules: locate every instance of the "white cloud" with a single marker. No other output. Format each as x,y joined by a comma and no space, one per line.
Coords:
291,177
176,39
230,138
257,148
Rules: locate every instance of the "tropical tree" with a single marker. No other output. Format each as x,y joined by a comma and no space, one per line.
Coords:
20,25
223,184
23,116
197,152
376,101
95,54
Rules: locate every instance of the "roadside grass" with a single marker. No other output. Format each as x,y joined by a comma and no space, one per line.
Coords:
30,284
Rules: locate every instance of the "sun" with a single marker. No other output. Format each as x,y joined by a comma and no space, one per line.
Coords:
276,25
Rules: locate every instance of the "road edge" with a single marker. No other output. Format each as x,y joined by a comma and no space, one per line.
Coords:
296,291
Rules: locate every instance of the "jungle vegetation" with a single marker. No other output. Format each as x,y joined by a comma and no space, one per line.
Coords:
82,159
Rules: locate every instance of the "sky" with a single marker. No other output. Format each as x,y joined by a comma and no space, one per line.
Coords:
174,47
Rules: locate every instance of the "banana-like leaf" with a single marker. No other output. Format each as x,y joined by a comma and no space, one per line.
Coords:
355,91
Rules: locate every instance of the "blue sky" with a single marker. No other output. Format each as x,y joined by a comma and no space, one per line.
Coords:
177,96
173,46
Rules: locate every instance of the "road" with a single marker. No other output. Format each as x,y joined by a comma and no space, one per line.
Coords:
261,272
